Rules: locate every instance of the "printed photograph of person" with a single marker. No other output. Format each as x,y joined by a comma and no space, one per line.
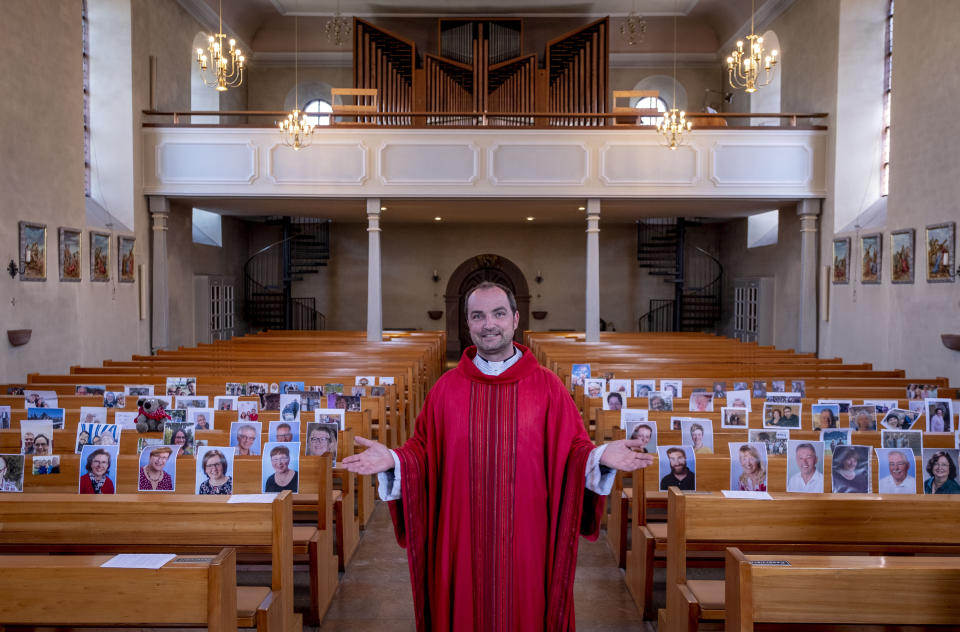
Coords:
619,386
698,434
358,391
49,464
11,472
365,380
99,469
322,439
672,388
645,432
844,404
245,437
748,467
201,418
93,415
863,418
883,406
897,471
774,439
778,386
40,399
180,435
910,439
719,390
759,389
740,399
214,471
632,414
183,402
700,402
612,401
107,434
158,469
138,390
281,462
899,419
734,417
83,390
578,373
799,386
330,416
851,470
114,399
659,401
781,416
181,386
248,411
921,391
593,387
824,416
940,471
30,431
225,402
835,437
939,414
4,417
642,388
805,466
677,467
284,431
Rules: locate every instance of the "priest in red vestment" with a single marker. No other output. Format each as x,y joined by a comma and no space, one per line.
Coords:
491,494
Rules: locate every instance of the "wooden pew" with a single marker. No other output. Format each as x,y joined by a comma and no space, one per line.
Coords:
165,523
74,590
840,589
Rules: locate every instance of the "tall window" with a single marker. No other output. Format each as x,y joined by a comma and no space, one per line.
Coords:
85,34
887,84
315,106
651,103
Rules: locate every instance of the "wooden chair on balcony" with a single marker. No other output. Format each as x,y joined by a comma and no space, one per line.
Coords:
364,107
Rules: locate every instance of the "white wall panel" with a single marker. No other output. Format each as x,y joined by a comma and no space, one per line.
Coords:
649,164
539,164
210,162
754,164
342,164
428,163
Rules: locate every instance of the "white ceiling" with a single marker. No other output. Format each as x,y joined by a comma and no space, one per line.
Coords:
432,8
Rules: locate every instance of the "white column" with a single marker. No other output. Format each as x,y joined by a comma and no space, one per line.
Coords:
160,309
808,210
374,290
592,325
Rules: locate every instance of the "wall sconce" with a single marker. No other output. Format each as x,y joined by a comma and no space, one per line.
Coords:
436,276
539,278
13,268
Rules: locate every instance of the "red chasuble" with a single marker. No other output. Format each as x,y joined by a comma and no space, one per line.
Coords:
493,500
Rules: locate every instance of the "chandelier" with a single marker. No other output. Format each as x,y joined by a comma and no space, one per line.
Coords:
227,71
674,123
296,130
338,28
633,28
751,70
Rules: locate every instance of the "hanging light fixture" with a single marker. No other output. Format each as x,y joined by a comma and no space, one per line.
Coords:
338,28
634,27
227,71
296,130
751,69
674,123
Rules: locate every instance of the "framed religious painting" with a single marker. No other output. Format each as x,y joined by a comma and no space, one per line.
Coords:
941,252
841,260
871,253
902,255
69,254
99,256
125,268
33,251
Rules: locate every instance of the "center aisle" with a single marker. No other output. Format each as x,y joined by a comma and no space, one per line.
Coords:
374,593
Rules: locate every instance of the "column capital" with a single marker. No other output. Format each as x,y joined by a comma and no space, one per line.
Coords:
158,204
809,207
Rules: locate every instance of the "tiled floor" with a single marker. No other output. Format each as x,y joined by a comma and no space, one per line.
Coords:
374,593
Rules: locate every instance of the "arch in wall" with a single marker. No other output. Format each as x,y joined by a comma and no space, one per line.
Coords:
485,267
767,99
202,97
309,90
664,85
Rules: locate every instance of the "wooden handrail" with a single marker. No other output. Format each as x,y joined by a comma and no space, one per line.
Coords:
691,115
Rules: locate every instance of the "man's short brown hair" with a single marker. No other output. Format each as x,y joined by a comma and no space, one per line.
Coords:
489,285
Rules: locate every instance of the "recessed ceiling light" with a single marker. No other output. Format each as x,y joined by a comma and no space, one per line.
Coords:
437,219
383,208
529,219
581,208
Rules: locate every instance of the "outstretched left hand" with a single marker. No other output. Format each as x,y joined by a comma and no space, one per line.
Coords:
620,456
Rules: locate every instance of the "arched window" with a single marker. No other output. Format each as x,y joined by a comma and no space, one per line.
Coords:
315,106
651,103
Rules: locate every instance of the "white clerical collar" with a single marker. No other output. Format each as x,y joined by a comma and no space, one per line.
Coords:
488,367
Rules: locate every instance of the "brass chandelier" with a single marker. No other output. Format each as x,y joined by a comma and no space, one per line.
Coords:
338,28
297,130
227,71
633,29
751,69
674,123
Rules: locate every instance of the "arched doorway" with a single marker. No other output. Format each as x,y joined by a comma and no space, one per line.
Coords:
471,272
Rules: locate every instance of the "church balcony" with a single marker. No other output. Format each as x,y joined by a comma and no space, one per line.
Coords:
488,161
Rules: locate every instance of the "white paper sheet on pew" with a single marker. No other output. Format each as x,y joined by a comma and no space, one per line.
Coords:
729,493
252,498
138,560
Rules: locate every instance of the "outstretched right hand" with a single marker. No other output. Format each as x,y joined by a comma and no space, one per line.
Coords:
375,459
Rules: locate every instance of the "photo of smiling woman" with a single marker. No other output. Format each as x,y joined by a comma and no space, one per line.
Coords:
100,465
158,469
214,468
280,464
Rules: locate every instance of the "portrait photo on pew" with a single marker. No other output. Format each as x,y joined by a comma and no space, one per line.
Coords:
281,467
896,471
645,432
322,439
96,434
182,435
201,418
93,414
939,414
677,466
700,402
36,437
774,438
289,407
330,416
44,465
740,398
748,467
732,417
899,419
805,466
940,471
824,416
290,387
863,418
182,402
910,439
642,388
235,388
98,469
781,415
579,373
56,416
84,390
181,386
621,386
11,472
883,406
138,390
850,470
719,391
283,431
594,386
158,469
114,399
214,471
4,417
843,404
245,437
248,410
672,388
48,399
225,402
365,380
698,434
613,400
659,401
